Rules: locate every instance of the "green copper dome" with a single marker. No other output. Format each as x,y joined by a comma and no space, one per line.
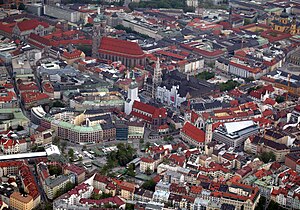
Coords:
100,17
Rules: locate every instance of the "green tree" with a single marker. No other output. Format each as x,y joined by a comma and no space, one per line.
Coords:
267,157
229,85
55,170
148,171
279,99
20,128
129,206
71,153
247,21
13,6
149,185
21,6
147,145
261,203
96,196
273,205
88,25
63,146
131,170
56,141
87,49
122,156
58,104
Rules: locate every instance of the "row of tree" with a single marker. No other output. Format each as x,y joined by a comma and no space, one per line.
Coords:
171,4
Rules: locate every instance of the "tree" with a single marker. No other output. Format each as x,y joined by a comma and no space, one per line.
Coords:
273,205
229,85
149,185
148,171
279,99
58,104
131,170
86,49
88,25
63,146
147,145
13,6
71,153
84,148
261,203
54,170
247,21
267,157
122,156
129,206
168,138
20,128
249,79
96,196
56,141
21,6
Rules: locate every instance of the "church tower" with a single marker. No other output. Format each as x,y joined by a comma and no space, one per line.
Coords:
284,17
156,77
208,131
188,112
99,24
132,95
293,29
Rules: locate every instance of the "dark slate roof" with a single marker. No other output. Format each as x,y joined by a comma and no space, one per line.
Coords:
194,86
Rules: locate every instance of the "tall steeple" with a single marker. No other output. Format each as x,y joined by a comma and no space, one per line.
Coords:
156,77
230,15
99,24
208,131
132,95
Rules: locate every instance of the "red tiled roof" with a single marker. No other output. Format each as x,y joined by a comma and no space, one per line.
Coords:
75,169
154,111
36,39
112,200
147,160
29,97
193,132
267,113
7,28
31,24
28,87
244,67
120,48
127,186
177,159
270,101
47,87
72,55
8,97
194,117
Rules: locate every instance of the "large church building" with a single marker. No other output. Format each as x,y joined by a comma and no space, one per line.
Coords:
108,48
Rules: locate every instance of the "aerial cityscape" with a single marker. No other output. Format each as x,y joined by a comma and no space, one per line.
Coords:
150,104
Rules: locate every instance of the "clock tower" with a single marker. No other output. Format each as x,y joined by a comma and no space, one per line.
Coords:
99,24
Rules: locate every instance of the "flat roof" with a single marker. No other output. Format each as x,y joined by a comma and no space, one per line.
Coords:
23,155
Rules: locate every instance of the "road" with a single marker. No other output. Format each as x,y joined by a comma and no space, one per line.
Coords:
37,181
